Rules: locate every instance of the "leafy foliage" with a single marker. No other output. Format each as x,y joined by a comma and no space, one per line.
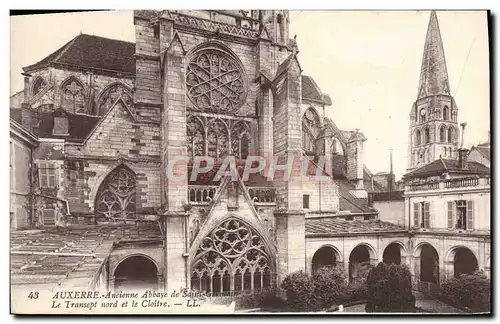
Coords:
329,285
389,289
472,291
299,291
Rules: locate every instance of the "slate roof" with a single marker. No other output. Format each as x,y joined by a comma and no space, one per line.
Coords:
92,52
349,202
485,151
60,257
440,166
311,91
79,125
335,226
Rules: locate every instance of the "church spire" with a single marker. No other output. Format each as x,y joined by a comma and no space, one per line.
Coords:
433,74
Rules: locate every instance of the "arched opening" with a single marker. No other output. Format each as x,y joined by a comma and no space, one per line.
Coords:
359,263
442,134
418,137
450,134
136,273
464,262
73,96
446,113
231,258
240,140
423,115
429,264
311,126
195,137
115,198
324,257
218,140
38,85
392,254
110,95
427,135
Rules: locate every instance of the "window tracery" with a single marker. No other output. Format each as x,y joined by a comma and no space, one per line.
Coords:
311,127
116,196
111,95
38,85
217,137
215,81
232,257
73,98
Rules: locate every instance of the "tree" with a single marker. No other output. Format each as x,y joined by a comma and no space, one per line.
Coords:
329,285
389,289
472,291
299,291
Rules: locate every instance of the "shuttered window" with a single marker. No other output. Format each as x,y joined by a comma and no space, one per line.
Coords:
470,215
416,212
451,223
427,215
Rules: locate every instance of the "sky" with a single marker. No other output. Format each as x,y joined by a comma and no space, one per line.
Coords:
367,61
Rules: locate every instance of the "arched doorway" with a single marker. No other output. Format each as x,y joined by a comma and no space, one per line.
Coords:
429,264
232,258
464,261
136,273
360,262
392,254
325,256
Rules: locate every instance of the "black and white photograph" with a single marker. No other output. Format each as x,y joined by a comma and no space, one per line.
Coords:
250,162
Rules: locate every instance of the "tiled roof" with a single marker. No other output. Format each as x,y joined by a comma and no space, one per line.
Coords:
440,166
60,257
334,226
92,52
485,151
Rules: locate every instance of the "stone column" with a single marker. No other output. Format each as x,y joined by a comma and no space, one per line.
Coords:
174,166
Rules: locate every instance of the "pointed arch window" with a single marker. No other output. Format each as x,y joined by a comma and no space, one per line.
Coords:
38,85
311,126
423,115
231,258
240,140
111,95
446,113
217,139
195,137
418,137
450,134
427,135
73,97
116,196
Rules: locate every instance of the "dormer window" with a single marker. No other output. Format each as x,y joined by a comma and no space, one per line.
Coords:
60,126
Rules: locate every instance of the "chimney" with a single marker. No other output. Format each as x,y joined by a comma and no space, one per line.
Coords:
462,158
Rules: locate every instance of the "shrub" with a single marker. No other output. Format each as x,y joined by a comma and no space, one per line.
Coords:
389,289
470,291
329,285
355,291
299,291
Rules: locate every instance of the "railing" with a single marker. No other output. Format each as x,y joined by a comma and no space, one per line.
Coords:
262,194
214,25
462,182
424,186
201,194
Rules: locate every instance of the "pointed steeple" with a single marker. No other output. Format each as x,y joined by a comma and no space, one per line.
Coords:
433,74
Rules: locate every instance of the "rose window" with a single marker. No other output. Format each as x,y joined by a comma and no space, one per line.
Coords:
215,81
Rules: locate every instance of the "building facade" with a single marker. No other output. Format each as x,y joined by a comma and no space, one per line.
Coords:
115,125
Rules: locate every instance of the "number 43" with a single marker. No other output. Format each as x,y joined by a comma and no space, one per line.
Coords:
33,295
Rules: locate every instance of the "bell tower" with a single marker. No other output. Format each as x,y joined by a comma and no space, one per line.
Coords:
433,117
